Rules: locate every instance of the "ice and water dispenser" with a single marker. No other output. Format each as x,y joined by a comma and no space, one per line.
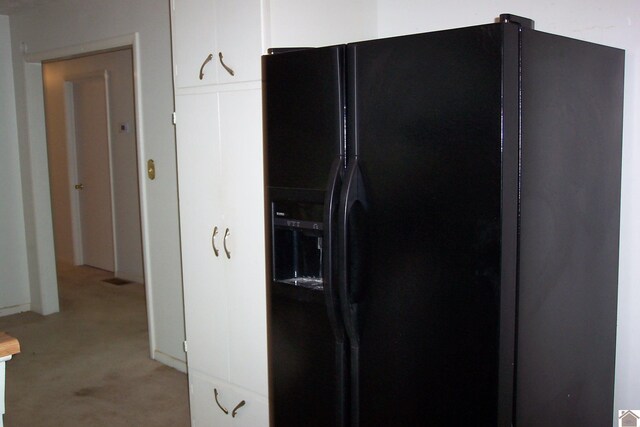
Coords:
297,243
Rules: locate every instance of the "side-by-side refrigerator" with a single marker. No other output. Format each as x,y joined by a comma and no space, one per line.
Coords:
443,220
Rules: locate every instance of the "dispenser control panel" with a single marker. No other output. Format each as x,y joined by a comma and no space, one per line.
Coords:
298,215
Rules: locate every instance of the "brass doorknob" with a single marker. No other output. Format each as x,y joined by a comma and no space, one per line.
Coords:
151,169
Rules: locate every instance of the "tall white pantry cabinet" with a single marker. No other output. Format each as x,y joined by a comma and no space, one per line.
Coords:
220,184
216,46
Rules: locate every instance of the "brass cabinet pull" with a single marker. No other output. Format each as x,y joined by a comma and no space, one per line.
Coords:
225,66
235,410
206,61
227,233
78,186
213,241
215,393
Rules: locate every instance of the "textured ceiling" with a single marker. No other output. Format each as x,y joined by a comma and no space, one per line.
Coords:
9,7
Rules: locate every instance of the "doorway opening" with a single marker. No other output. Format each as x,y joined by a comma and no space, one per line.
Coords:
93,167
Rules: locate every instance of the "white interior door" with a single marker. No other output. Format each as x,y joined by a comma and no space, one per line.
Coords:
90,110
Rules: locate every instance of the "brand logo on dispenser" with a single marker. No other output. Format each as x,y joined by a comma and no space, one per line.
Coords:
280,213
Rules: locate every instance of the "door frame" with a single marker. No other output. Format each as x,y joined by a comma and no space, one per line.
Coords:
45,283
74,197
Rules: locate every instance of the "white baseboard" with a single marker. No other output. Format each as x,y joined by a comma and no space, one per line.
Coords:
170,361
7,311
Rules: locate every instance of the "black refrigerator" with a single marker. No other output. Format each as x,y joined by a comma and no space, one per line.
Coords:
443,228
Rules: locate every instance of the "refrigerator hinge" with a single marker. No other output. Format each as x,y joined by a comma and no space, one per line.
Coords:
506,18
173,117
185,346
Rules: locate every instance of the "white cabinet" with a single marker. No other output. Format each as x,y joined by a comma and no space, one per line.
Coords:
203,395
239,38
209,33
220,178
203,274
242,196
220,184
218,404
193,36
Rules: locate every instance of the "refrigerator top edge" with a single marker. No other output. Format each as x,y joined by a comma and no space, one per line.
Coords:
280,50
284,50
526,24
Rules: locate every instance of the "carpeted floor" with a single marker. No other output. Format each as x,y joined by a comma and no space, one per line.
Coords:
89,364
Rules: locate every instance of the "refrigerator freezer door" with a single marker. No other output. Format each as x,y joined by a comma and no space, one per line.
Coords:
303,352
304,107
304,116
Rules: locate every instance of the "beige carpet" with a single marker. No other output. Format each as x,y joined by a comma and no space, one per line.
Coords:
89,364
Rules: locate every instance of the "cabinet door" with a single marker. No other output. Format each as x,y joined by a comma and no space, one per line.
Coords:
193,35
254,412
241,145
199,179
205,395
239,39
210,398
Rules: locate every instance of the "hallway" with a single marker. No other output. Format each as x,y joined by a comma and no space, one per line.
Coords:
89,365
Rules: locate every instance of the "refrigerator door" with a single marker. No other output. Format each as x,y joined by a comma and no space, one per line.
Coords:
304,136
424,127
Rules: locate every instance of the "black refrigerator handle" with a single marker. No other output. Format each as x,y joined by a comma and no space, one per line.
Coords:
352,247
331,293
330,249
352,251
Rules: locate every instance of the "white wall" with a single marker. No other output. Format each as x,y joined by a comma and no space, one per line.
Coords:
303,22
14,274
127,242
615,23
69,24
